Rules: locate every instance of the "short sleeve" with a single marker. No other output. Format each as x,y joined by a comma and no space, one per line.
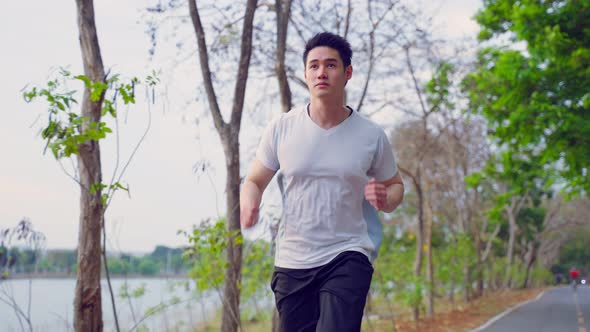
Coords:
267,148
384,165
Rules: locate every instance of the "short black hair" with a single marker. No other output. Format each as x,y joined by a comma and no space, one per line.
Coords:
330,40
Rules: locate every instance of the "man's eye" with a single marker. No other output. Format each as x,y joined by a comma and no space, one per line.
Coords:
331,65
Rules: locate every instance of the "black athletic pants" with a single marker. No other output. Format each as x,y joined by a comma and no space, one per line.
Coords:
325,298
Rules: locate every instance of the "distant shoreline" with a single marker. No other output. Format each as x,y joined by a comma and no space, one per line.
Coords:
73,276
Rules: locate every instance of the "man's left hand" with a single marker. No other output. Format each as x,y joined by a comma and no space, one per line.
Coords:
376,194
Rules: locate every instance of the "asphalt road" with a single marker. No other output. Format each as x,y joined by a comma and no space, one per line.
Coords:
557,310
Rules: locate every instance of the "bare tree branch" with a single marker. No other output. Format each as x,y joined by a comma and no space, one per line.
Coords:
220,125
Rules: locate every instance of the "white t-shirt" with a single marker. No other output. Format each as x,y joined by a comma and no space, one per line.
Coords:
324,175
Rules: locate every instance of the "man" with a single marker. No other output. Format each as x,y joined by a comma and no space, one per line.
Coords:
338,169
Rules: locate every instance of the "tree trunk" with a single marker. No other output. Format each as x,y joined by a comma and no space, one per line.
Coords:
510,250
451,296
231,292
416,178
512,211
484,257
492,278
479,267
428,245
87,302
276,324
283,10
419,242
466,283
453,281
532,258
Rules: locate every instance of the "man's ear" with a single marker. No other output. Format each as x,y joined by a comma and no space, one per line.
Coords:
348,72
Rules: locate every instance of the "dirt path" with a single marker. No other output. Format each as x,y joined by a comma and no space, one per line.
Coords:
463,318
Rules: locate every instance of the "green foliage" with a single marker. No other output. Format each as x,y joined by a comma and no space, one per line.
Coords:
119,266
257,268
438,87
496,273
64,262
453,257
530,222
541,276
170,258
126,293
207,252
575,252
518,274
148,267
67,130
394,277
518,176
536,95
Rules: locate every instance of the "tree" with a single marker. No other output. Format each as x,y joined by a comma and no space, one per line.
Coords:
533,83
563,221
419,157
87,302
464,150
575,252
229,134
70,133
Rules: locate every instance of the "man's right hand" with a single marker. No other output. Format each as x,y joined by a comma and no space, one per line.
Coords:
256,181
248,216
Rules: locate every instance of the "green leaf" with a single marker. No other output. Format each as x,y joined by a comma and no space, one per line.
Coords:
96,187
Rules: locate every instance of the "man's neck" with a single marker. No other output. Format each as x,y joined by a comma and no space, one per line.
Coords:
327,113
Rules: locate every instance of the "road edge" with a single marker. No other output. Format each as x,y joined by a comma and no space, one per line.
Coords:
504,313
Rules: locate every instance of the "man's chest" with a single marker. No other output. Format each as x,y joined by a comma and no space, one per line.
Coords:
312,154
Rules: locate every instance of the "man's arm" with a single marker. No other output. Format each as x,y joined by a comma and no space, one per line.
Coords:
256,181
385,195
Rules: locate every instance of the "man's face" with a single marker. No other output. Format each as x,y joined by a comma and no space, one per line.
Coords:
325,73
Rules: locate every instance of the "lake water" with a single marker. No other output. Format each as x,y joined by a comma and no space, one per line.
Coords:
52,304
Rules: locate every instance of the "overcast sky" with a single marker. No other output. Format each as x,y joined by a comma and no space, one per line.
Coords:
166,195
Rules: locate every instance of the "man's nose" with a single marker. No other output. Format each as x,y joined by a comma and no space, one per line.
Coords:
322,72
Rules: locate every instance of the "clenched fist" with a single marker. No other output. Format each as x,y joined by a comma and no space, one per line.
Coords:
376,194
248,216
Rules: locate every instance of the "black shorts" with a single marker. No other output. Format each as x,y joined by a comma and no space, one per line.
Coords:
326,298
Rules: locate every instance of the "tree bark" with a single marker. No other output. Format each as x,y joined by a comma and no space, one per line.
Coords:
283,10
479,266
428,246
419,236
229,135
87,302
531,259
510,249
231,291
512,211
416,182
466,284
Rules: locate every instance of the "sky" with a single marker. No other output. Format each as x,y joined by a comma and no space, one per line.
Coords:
166,194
